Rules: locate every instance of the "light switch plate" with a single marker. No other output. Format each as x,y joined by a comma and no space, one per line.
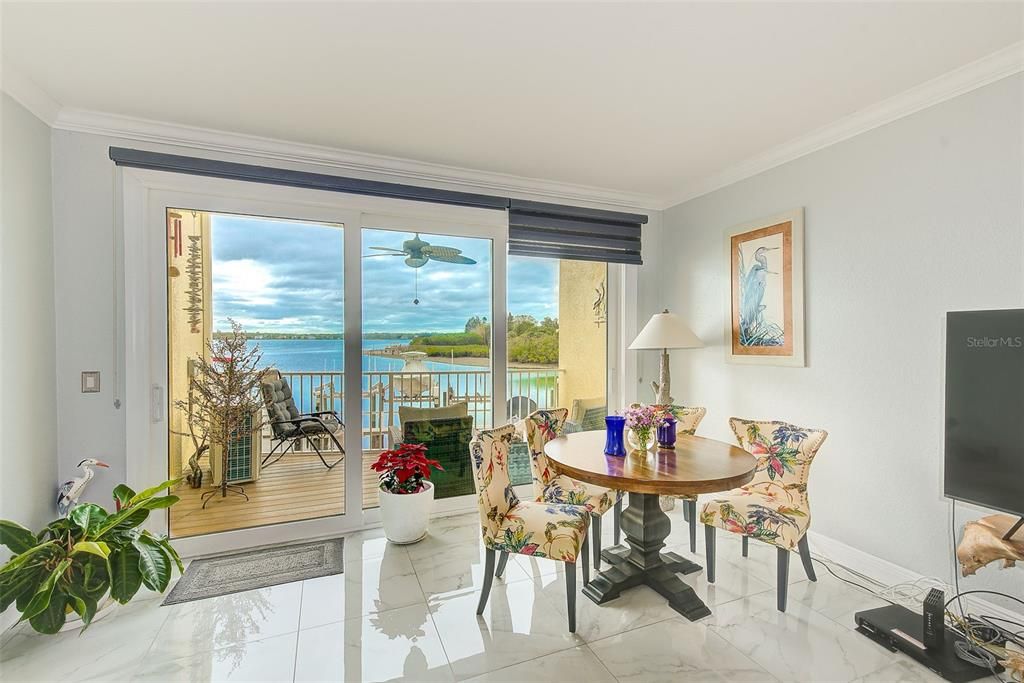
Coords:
91,382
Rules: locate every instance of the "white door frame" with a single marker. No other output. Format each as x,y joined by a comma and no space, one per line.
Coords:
142,286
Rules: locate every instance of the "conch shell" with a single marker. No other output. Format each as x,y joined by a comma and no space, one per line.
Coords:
983,543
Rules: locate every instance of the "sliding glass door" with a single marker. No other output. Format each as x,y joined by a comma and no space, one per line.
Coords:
427,356
253,302
370,319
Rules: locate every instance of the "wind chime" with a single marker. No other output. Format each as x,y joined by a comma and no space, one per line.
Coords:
194,293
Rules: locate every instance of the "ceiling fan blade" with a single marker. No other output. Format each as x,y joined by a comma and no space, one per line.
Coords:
399,251
372,255
451,258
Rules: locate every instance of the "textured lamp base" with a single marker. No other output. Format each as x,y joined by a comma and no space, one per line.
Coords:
641,562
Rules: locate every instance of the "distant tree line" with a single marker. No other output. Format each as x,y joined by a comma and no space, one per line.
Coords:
529,341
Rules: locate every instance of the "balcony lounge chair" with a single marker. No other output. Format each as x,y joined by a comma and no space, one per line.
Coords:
289,426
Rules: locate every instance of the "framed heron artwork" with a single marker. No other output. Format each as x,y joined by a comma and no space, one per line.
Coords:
766,291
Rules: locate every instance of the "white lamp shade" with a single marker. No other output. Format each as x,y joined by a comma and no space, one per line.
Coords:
666,331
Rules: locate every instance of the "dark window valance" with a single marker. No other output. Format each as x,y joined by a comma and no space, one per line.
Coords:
535,228
573,232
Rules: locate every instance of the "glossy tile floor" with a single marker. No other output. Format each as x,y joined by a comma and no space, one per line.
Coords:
408,613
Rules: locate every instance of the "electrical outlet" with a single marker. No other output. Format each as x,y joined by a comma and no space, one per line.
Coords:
91,382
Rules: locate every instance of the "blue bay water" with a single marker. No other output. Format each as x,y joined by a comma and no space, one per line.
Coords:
325,357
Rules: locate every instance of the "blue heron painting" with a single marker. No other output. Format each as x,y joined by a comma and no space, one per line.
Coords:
756,326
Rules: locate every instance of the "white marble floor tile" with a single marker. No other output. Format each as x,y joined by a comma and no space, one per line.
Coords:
109,647
675,650
835,599
374,585
269,659
636,607
903,670
227,620
389,646
576,664
517,625
447,533
459,569
798,645
732,581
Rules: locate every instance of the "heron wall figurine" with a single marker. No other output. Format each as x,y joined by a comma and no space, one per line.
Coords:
71,490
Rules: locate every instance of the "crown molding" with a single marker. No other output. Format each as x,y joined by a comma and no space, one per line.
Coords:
996,66
361,164
25,92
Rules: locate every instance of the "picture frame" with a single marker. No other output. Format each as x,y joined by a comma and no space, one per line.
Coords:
765,321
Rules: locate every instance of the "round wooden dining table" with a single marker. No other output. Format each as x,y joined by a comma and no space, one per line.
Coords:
695,465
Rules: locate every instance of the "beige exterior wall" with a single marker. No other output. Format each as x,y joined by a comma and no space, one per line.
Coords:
185,339
582,331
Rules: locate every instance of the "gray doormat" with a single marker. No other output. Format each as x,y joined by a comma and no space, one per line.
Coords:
270,566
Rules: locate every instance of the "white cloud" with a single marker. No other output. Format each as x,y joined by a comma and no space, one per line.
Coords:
245,282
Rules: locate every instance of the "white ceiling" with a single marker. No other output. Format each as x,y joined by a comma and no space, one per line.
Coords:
635,97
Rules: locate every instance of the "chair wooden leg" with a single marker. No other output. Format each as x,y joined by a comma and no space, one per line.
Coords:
488,577
570,594
584,557
691,505
783,587
746,545
709,552
595,540
805,557
502,561
616,523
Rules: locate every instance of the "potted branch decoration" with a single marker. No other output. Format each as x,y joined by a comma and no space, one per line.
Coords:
66,571
224,401
406,494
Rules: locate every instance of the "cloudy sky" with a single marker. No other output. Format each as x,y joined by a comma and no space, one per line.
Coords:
278,276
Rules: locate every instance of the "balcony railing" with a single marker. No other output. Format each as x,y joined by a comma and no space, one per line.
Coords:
383,393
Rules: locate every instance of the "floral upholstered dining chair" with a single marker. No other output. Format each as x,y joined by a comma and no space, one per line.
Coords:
548,486
687,421
774,507
509,525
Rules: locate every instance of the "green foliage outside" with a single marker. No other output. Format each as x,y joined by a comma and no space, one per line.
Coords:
461,351
450,339
529,341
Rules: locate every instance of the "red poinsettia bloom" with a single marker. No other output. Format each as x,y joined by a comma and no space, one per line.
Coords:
405,468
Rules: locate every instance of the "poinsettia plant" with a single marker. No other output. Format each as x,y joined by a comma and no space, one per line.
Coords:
405,468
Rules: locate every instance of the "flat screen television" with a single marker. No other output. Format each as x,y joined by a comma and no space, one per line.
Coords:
984,461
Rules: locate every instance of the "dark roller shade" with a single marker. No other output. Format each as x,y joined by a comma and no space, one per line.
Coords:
535,228
282,176
573,232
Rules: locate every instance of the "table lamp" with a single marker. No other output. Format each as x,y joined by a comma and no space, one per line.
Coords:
665,331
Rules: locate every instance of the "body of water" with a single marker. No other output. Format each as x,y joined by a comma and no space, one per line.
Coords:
327,355
324,357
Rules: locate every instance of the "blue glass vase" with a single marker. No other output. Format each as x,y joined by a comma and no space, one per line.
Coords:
667,433
614,443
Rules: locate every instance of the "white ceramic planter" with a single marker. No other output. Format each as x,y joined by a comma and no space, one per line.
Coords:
405,516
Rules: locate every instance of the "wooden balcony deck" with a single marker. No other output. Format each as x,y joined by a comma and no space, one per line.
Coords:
295,488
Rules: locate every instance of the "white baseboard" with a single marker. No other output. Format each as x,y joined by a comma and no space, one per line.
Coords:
890,574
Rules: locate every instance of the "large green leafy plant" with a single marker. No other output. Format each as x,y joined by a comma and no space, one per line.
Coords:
74,562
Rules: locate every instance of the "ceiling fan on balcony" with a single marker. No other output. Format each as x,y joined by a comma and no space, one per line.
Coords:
417,252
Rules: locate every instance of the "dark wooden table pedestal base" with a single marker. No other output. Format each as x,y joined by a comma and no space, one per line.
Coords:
641,562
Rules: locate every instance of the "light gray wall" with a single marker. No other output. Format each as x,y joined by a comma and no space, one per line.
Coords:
28,433
903,223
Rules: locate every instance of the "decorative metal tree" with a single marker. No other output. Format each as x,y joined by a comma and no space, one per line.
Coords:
224,401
